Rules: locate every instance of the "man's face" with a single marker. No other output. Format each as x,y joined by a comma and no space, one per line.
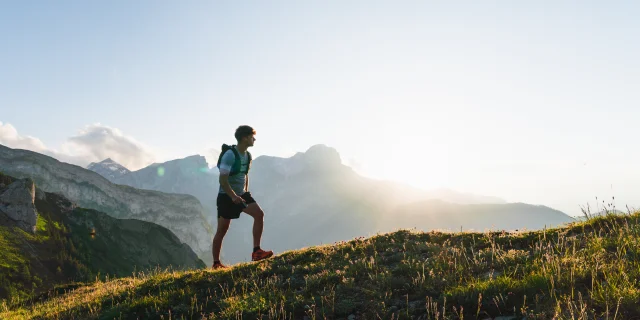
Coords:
250,140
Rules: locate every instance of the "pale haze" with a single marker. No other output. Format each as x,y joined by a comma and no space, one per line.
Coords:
536,103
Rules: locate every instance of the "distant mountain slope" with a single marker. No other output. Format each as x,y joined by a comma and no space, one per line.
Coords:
67,243
182,214
312,198
181,176
437,214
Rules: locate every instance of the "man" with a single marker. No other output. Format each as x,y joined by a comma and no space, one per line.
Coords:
234,196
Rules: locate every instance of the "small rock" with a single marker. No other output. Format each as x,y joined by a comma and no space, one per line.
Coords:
352,317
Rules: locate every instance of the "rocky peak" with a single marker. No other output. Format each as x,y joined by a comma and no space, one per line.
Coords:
108,169
105,162
321,155
189,165
197,161
318,158
18,203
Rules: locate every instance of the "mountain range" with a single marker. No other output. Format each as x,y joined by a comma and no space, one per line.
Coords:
311,198
181,213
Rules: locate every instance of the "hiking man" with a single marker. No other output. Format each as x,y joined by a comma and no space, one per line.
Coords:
234,196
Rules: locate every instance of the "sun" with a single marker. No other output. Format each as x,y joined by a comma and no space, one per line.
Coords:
418,169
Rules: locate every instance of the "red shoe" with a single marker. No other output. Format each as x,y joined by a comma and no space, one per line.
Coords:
261,254
219,265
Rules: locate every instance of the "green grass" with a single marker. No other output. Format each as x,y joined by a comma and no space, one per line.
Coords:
62,252
17,277
42,224
587,270
11,258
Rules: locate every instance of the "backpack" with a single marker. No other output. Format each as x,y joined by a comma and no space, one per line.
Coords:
235,168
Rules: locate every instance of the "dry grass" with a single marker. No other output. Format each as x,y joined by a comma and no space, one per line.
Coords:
587,270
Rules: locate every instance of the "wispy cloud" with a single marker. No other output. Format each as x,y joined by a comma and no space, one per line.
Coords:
97,142
94,142
9,137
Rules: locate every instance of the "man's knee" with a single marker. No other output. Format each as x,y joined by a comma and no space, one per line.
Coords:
222,228
259,214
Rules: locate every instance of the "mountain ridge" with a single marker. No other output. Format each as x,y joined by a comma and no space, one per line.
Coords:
69,243
312,198
181,213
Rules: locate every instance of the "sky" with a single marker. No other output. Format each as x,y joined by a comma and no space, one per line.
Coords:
533,102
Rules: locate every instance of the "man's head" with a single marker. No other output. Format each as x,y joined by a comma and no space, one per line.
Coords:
245,135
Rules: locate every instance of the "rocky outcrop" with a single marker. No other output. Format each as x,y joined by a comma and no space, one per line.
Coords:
17,202
180,213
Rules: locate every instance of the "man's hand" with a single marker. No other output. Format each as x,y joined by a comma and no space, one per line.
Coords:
224,183
237,199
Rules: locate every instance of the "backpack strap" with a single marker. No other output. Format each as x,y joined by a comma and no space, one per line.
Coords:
248,161
237,164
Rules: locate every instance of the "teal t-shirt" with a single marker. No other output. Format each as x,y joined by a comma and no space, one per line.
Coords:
238,181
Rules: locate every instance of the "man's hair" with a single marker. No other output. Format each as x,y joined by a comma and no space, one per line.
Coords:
244,131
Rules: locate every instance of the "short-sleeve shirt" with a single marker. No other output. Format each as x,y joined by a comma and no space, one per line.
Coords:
237,181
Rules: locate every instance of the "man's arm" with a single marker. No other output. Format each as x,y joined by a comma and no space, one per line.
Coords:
246,183
225,168
224,183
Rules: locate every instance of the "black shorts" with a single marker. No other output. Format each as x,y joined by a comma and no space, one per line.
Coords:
228,209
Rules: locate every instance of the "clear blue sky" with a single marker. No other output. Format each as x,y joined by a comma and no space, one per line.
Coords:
535,102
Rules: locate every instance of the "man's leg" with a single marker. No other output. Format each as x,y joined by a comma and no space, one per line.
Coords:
254,210
223,226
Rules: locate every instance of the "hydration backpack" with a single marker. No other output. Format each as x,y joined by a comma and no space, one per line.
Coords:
237,164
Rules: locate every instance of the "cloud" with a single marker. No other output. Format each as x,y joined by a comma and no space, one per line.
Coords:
9,137
93,143
98,142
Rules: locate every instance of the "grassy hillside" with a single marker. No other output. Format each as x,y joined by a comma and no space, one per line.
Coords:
75,245
587,270
32,263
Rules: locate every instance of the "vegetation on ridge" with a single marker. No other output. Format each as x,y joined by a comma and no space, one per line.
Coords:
586,270
74,244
